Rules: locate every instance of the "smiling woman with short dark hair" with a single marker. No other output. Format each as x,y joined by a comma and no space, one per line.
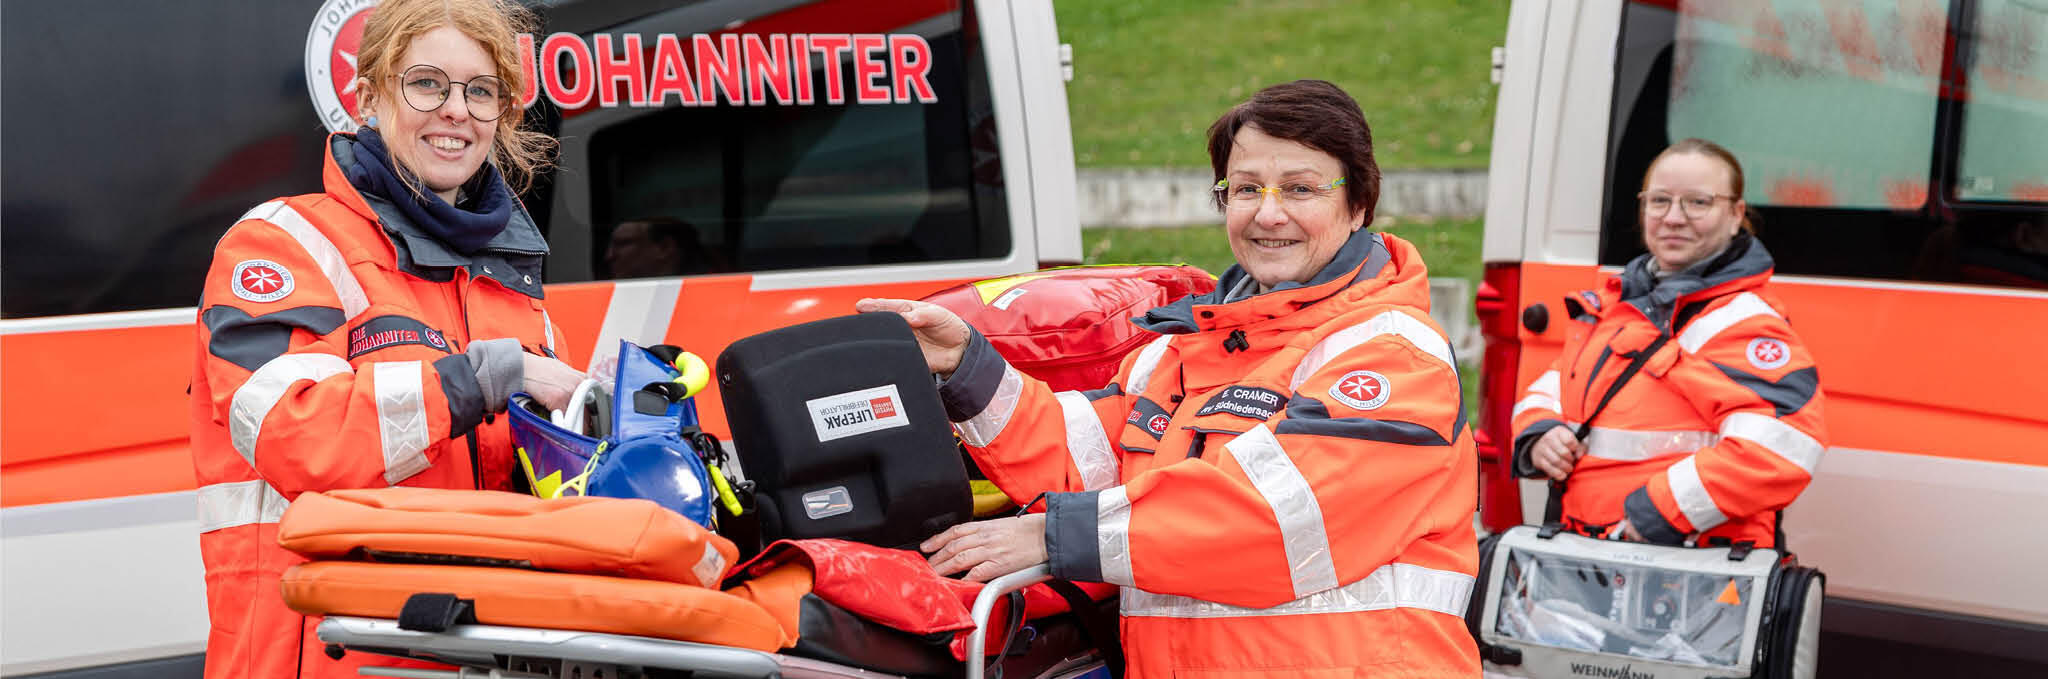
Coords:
1281,481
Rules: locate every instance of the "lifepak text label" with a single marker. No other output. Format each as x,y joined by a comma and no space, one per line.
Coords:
857,412
1252,402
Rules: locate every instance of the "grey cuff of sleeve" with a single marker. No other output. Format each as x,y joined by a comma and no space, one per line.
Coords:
1070,546
1524,467
1651,524
500,367
465,400
967,392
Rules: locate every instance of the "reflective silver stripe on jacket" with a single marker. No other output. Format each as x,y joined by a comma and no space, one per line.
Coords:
1416,332
547,326
1693,499
1535,401
255,398
986,425
1774,435
401,419
322,250
1395,585
1087,444
1704,328
1635,445
241,503
1147,361
1542,394
1113,535
1294,505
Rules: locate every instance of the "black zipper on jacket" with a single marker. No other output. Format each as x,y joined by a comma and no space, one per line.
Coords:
476,468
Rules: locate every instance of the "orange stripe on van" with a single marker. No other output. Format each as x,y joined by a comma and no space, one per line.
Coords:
119,392
96,414
1935,371
577,310
164,467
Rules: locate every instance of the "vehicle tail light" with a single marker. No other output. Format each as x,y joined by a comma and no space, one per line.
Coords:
1500,503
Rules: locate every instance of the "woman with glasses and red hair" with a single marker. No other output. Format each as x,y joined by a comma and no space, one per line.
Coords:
1282,481
1705,406
368,334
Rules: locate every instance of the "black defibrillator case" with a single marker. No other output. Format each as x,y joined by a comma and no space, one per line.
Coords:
838,426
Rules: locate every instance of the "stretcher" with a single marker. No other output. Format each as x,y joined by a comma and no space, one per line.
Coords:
477,650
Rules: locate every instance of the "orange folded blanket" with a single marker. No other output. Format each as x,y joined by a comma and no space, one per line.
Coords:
524,598
594,535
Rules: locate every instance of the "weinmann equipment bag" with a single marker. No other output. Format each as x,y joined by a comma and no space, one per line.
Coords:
1558,604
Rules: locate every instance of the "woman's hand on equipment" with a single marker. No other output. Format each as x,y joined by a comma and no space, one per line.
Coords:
987,550
1556,452
940,332
1627,531
549,381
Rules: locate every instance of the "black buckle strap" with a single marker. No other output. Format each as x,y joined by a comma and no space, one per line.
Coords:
1101,630
435,612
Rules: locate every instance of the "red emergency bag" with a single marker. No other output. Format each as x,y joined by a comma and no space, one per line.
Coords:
1070,327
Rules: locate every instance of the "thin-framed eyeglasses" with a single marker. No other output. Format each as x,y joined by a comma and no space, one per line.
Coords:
1249,196
426,88
1692,205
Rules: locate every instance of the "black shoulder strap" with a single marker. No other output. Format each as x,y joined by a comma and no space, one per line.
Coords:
1553,511
1100,629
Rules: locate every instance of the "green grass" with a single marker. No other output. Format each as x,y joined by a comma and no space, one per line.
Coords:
1151,75
1450,248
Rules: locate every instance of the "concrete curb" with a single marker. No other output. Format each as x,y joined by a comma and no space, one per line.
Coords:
1180,196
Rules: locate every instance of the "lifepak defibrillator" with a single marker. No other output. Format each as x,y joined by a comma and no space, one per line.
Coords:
1553,603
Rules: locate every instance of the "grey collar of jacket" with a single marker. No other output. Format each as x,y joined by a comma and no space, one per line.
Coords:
1655,295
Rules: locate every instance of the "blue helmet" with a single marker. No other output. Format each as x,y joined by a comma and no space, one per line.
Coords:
639,450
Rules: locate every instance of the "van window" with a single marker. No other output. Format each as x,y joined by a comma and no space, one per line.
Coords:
793,185
1783,85
122,171
1861,159
2004,155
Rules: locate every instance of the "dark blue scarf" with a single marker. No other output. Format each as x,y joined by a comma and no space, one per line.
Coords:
467,230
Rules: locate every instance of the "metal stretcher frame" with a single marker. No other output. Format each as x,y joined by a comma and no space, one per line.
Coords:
480,645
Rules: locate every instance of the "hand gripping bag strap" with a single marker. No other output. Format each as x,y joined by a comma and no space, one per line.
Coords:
1553,511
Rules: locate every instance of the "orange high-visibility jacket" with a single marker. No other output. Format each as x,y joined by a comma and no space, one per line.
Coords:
330,355
1718,430
1283,484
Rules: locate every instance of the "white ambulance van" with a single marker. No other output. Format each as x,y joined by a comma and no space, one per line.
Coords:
1897,154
